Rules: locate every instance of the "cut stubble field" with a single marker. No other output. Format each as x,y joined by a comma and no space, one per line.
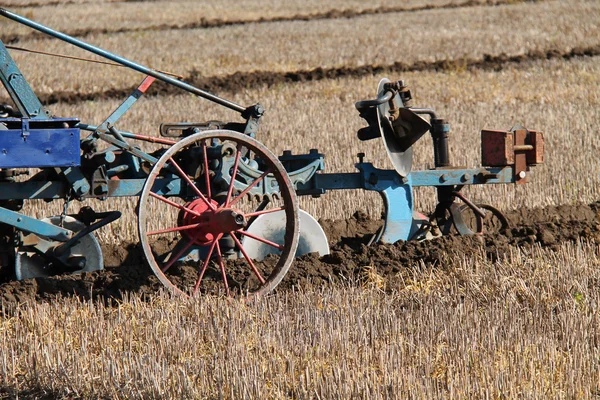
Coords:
164,15
522,327
449,34
321,115
452,318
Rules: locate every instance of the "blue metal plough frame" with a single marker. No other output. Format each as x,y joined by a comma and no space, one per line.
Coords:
55,145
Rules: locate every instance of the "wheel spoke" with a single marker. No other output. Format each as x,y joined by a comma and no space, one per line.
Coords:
172,203
233,174
237,198
178,255
177,228
222,266
189,181
265,241
256,213
203,270
186,253
206,175
237,242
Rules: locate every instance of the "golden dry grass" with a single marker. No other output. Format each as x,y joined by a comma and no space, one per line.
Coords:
290,46
98,15
524,327
557,97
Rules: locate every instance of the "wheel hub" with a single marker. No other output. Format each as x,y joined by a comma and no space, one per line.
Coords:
209,223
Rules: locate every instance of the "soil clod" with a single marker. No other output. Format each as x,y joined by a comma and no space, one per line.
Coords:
350,259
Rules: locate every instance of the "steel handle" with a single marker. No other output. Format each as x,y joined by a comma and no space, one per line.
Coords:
375,102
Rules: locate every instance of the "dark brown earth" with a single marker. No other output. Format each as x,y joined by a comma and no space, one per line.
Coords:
126,270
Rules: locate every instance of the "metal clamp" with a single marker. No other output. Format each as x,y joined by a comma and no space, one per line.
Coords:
24,128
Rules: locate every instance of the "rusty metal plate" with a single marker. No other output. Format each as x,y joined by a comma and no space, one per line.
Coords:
497,148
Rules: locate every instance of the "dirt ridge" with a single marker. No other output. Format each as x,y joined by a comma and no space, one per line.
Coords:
248,80
126,270
204,23
64,2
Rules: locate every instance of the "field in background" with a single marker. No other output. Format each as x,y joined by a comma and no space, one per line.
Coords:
525,326
430,35
322,116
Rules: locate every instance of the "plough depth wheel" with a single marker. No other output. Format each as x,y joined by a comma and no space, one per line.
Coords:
193,240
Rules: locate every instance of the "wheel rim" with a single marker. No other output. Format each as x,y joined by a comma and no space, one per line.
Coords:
192,245
493,222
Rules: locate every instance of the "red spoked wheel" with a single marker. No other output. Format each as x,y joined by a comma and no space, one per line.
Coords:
195,207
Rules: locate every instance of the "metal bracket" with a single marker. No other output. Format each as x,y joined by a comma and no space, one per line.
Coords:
18,89
24,128
253,114
77,181
519,147
33,225
269,184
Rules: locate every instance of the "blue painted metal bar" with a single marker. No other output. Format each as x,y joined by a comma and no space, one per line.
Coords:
320,183
451,177
438,177
339,181
133,187
126,146
29,224
126,105
121,60
18,89
31,190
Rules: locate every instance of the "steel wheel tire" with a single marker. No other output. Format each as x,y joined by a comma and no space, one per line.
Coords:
202,222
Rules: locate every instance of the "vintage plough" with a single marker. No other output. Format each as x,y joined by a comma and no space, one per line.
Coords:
217,210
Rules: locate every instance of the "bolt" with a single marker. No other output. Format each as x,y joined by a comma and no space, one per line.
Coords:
443,178
313,151
259,110
465,177
373,179
238,218
82,189
109,157
170,186
361,157
287,153
522,174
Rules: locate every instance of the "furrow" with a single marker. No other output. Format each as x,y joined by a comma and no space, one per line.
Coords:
246,80
205,23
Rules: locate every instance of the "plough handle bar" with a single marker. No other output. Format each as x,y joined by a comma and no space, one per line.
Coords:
123,61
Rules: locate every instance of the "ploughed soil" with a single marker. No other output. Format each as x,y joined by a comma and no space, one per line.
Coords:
126,269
